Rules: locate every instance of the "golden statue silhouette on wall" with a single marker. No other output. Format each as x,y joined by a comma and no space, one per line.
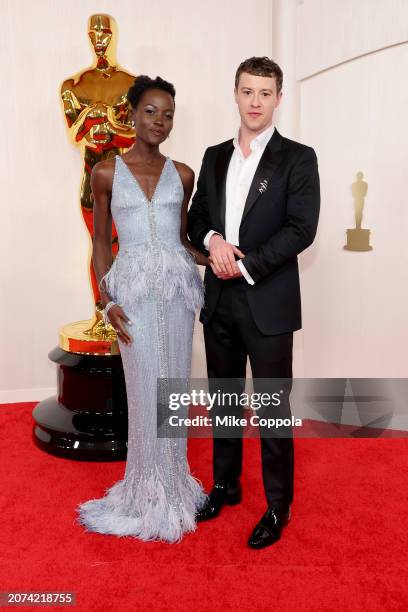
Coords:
97,114
358,239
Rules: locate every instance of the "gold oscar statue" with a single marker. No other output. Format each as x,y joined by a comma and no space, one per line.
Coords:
358,239
98,118
87,418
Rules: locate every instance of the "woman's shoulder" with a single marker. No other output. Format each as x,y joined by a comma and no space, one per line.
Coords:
103,171
183,168
104,166
186,173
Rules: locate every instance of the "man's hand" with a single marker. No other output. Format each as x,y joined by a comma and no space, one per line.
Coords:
222,260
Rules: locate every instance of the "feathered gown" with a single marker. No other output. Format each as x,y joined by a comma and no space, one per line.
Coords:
156,281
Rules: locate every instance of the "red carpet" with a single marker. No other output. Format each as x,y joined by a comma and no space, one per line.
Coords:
345,548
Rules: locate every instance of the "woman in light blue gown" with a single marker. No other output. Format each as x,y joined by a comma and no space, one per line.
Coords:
150,293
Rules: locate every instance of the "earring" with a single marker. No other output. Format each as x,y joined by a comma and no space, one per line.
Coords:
132,123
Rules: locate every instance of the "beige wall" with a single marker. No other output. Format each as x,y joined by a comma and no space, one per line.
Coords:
331,32
345,94
354,114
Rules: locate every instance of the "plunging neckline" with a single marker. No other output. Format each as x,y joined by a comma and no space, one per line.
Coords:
150,202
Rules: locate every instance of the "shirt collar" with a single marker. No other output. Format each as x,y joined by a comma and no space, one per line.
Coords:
259,141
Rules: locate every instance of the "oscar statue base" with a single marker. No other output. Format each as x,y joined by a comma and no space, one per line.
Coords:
358,240
87,420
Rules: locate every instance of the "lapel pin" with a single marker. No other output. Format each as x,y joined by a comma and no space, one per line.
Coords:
263,186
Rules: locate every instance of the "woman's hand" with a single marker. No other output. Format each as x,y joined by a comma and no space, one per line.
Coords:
201,259
118,318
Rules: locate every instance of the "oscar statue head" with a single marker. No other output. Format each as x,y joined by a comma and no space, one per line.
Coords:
102,34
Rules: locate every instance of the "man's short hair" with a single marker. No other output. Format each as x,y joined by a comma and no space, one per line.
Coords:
260,66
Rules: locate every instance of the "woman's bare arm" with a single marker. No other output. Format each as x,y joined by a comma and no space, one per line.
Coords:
101,184
187,178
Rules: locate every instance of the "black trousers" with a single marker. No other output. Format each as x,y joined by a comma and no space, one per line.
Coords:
231,336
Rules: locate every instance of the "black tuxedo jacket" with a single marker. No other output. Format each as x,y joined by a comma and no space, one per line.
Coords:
279,221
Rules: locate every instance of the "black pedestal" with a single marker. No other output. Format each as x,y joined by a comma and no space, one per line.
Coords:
88,418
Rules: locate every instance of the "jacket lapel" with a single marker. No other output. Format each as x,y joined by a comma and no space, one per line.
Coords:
270,160
221,168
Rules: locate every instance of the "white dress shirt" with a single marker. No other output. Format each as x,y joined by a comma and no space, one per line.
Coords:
240,174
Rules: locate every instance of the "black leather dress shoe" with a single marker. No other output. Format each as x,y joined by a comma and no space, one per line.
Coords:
221,494
269,529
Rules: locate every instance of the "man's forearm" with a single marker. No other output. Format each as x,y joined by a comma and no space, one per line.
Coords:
198,227
245,273
207,237
198,216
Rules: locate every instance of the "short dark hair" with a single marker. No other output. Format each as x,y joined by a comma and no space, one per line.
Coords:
142,83
260,66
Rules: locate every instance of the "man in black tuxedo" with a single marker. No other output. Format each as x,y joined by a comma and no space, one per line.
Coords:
255,209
